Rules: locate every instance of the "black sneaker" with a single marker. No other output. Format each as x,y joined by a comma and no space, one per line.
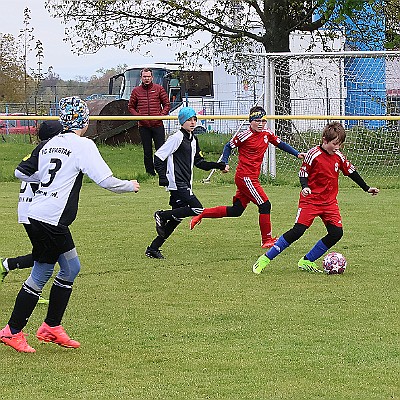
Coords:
153,253
160,224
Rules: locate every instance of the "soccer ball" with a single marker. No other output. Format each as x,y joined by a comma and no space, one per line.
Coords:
334,263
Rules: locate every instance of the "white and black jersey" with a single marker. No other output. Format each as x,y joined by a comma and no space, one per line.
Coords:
58,165
181,152
26,194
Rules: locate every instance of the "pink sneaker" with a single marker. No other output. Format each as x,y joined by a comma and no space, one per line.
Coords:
16,341
195,221
269,243
56,334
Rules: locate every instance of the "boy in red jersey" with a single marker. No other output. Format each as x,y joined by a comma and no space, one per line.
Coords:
319,177
251,144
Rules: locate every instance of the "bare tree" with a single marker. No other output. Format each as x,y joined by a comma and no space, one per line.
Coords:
225,26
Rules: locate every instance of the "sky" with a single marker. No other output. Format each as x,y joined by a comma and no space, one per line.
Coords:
58,54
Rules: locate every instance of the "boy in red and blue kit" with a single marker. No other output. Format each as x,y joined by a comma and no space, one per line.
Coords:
252,145
319,177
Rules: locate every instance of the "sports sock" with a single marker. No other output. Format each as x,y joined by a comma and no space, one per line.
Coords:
59,297
280,245
20,262
25,303
316,252
264,221
215,212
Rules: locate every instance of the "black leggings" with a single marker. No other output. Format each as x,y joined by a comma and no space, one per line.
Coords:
335,233
237,209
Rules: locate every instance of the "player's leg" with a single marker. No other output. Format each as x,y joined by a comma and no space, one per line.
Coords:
235,210
19,262
25,303
304,219
252,190
51,330
333,222
184,204
283,242
147,143
158,136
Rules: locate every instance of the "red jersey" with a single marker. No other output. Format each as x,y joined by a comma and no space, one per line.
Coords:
251,148
322,170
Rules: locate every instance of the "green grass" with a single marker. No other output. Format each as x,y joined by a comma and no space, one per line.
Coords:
200,324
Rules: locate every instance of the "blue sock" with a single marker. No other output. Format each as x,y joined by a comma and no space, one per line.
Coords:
317,251
280,245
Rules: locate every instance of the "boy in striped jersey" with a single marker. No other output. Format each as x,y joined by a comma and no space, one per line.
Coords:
319,177
174,162
57,166
252,145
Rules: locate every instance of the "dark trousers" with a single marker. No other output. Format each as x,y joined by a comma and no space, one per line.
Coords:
148,135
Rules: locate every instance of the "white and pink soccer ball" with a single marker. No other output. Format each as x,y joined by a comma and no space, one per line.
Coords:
334,263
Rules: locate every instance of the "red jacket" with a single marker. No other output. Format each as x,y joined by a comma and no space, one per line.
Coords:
149,100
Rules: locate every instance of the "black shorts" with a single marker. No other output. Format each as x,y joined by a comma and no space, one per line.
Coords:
49,241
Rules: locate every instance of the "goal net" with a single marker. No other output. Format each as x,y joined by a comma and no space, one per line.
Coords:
302,92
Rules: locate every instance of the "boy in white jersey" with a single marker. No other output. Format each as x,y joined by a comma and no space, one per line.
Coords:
47,130
58,166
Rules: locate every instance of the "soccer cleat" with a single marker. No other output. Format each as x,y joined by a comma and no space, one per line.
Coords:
3,271
153,253
42,300
195,221
307,265
16,341
269,243
56,334
260,264
160,224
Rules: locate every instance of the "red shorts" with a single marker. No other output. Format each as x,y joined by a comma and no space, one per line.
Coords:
306,214
249,190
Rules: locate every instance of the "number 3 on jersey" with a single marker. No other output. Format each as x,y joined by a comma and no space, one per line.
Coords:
53,171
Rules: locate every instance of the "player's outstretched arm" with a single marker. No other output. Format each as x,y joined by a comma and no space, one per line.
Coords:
119,186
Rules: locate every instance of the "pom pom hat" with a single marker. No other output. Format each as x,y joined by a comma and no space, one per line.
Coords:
74,113
48,129
185,113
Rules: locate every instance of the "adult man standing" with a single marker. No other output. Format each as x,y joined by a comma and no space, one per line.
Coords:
149,99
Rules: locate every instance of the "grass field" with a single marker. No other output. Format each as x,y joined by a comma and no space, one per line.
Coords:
200,324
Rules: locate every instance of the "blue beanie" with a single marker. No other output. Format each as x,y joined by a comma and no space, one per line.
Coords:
185,113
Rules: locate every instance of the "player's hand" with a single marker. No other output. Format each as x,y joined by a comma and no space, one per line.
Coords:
373,191
224,171
301,155
163,181
306,191
136,185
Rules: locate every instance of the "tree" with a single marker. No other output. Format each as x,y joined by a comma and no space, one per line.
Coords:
11,70
391,10
231,26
